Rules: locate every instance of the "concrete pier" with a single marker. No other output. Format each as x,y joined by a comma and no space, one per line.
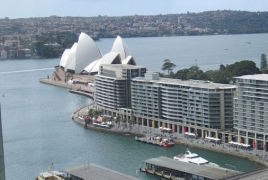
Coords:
73,88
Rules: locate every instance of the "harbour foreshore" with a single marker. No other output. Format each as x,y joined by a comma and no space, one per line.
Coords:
258,156
73,88
138,130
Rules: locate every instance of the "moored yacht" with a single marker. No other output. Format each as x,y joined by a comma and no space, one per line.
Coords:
51,175
192,158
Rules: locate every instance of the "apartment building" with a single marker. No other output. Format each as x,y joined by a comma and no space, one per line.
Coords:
113,85
251,110
193,103
199,107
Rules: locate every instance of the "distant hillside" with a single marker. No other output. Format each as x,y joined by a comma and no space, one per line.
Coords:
230,22
210,22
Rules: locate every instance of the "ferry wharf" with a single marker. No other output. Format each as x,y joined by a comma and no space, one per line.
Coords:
95,172
172,169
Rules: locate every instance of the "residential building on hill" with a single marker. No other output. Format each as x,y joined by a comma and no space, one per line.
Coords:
24,53
12,43
3,54
251,110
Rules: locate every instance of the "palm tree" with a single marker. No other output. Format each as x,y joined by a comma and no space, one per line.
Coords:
130,123
118,118
124,121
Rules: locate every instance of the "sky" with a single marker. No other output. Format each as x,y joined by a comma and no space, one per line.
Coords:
86,8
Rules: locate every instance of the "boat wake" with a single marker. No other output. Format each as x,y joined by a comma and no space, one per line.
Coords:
23,71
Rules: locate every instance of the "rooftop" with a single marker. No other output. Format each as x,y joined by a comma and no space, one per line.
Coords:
189,83
95,172
122,66
261,77
202,170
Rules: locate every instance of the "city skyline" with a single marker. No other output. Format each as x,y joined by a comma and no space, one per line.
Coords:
87,8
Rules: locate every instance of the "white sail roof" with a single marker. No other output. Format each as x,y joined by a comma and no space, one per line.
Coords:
109,58
129,60
64,57
70,64
86,53
120,47
90,67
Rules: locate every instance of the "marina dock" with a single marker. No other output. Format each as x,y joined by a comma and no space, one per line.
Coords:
149,139
172,169
156,140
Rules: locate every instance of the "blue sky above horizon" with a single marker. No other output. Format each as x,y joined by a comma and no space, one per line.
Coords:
44,8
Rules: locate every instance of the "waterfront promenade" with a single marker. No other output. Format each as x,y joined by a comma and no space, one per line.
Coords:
73,88
135,129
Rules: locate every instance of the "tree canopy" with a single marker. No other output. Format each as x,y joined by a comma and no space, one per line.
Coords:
244,67
223,75
169,66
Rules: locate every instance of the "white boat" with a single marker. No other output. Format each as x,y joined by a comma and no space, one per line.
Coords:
192,158
51,175
103,124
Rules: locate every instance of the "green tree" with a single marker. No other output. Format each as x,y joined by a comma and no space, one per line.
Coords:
182,74
169,66
263,62
118,119
222,76
245,67
91,113
222,67
104,119
194,68
124,120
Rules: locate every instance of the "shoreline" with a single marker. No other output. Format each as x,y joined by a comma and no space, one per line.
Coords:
197,143
252,155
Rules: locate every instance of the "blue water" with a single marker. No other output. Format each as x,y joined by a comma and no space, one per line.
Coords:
208,51
37,125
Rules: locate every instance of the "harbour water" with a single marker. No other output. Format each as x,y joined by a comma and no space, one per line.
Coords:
36,118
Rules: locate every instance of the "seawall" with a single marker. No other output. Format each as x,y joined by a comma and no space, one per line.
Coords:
183,141
73,88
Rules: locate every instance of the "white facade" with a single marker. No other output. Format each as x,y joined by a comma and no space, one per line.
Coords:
197,103
120,47
70,63
64,57
251,110
86,53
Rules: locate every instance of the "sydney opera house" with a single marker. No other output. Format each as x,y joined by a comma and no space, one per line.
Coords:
85,57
